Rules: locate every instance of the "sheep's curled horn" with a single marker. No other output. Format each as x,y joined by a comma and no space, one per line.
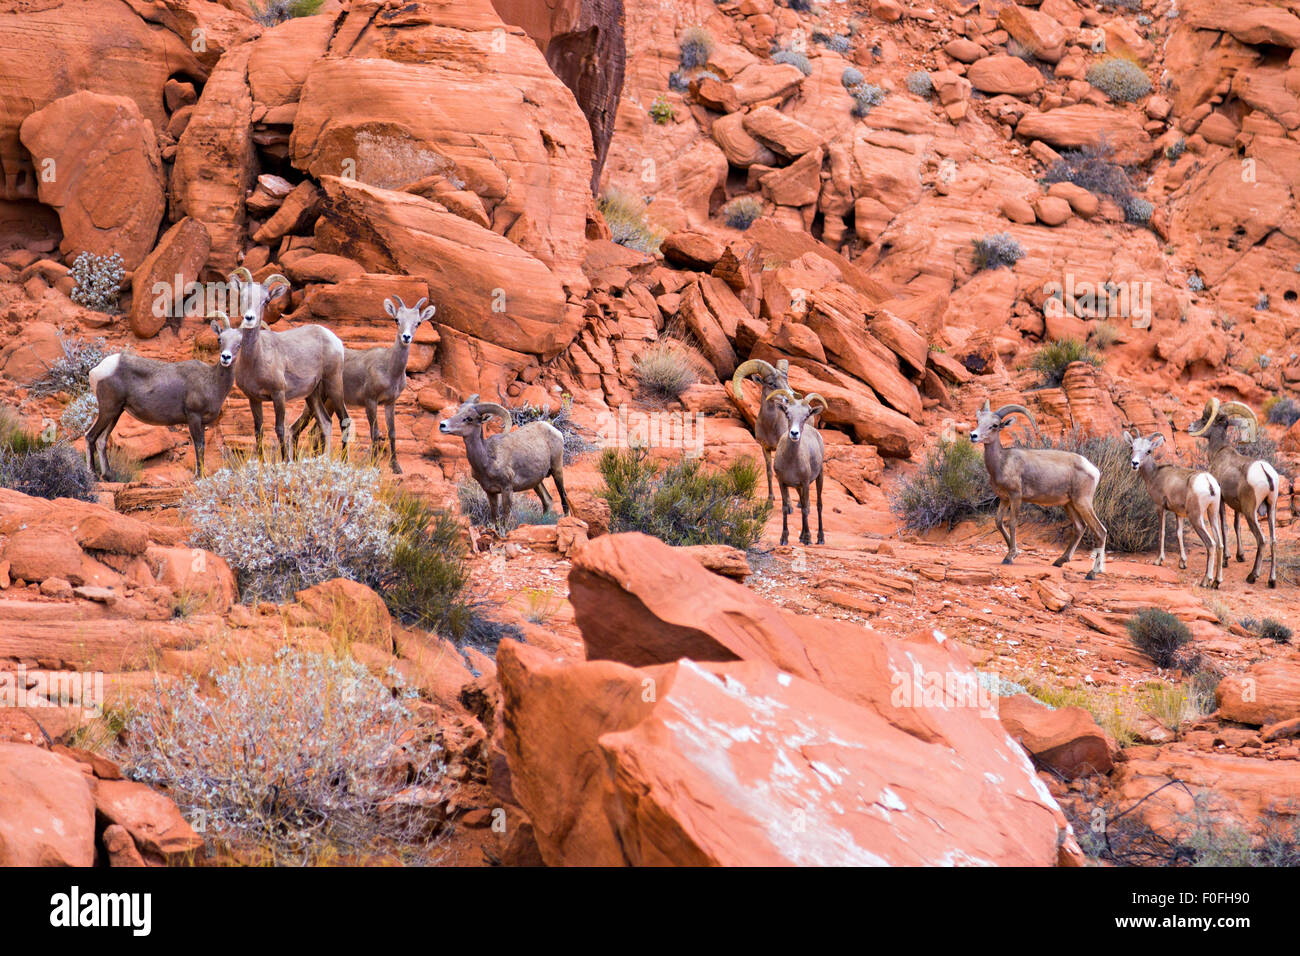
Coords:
1006,410
746,369
492,408
1214,408
808,400
783,393
218,314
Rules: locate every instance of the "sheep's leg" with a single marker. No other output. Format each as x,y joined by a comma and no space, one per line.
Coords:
1272,539
99,431
1182,548
255,407
767,460
320,410
1197,522
785,514
1163,515
506,499
1077,521
557,476
545,498
1013,506
372,417
196,436
333,389
390,412
1253,522
821,534
1236,530
1223,531
1098,530
301,423
1216,531
805,499
277,403
997,520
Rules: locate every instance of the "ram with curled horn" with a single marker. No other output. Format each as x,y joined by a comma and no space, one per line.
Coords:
799,458
277,367
516,459
1039,476
1246,483
770,423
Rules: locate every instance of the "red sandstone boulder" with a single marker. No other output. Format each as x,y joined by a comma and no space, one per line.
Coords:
1066,741
152,820
47,812
1268,692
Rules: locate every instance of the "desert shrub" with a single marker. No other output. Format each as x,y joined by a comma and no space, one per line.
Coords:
1195,283
524,507
1091,168
1021,51
1261,304
97,281
837,43
742,212
1119,78
1175,150
1103,335
70,372
299,760
950,485
627,221
272,12
865,97
1137,210
851,77
678,81
1121,500
802,6
997,250
284,526
665,370
47,471
1268,629
683,504
794,58
123,467
919,83
1051,361
695,45
661,111
1282,411
79,415
1158,634
576,443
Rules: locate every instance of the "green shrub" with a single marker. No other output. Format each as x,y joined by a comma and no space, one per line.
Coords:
1120,78
627,221
794,58
1175,150
1051,361
665,370
97,281
950,485
661,111
997,250
1159,635
292,762
1268,629
47,471
683,504
696,44
742,212
920,84
1137,210
70,371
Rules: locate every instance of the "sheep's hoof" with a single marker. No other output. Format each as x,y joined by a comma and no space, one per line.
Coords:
1160,562
821,539
1272,583
1090,576
397,469
1008,560
1058,563
1250,578
1182,565
785,539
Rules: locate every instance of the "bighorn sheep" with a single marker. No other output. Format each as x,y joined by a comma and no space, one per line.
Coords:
374,377
1188,494
798,459
161,393
1245,483
518,459
1040,476
770,424
279,366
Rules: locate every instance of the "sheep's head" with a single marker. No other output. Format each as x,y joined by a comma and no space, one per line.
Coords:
408,317
228,339
253,296
472,415
988,423
772,377
797,410
1217,416
1143,447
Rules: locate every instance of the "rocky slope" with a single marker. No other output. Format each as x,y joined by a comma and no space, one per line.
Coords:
455,150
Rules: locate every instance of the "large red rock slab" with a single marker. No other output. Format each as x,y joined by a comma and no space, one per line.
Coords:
1066,740
152,820
1004,74
194,572
158,287
1266,693
47,812
1073,127
86,147
742,764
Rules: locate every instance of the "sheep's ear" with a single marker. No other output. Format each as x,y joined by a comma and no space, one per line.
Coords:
427,314
276,291
1157,440
216,327
1128,439
390,307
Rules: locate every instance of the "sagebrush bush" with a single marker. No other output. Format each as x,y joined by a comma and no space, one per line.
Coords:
865,96
1103,335
1158,634
576,443
1138,210
272,12
683,503
97,281
628,225
79,415
1269,629
1120,78
306,759
950,485
70,372
997,250
1092,169
851,77
665,370
794,58
47,471
920,83
524,507
742,212
1051,361
1195,283
695,45
284,526
1283,411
